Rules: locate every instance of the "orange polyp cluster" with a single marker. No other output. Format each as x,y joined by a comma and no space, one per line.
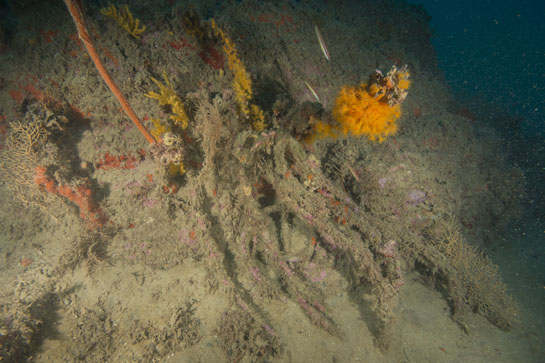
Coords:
359,112
41,179
370,109
80,195
128,161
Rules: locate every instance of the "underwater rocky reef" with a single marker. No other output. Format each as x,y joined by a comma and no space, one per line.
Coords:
208,181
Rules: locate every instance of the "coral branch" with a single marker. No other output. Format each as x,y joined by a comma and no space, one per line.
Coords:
109,161
242,83
79,195
168,97
76,11
125,19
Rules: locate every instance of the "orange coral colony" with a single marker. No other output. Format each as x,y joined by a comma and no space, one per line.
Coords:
360,113
79,195
372,110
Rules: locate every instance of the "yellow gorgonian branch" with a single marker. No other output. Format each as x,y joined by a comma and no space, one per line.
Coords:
125,19
158,129
242,83
168,96
257,117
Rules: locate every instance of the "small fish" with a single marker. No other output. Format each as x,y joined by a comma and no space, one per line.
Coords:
354,174
313,91
321,41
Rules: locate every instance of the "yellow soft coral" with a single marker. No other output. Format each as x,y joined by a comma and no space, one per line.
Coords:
125,19
403,80
168,96
321,130
176,169
258,118
359,112
242,83
158,129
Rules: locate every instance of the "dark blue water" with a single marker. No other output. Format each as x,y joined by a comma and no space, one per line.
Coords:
494,52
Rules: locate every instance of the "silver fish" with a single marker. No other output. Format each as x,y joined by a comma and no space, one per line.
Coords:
313,91
321,41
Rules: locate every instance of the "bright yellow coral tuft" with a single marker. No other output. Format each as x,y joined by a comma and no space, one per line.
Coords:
158,129
125,19
360,113
242,83
176,169
403,81
258,118
168,96
321,130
